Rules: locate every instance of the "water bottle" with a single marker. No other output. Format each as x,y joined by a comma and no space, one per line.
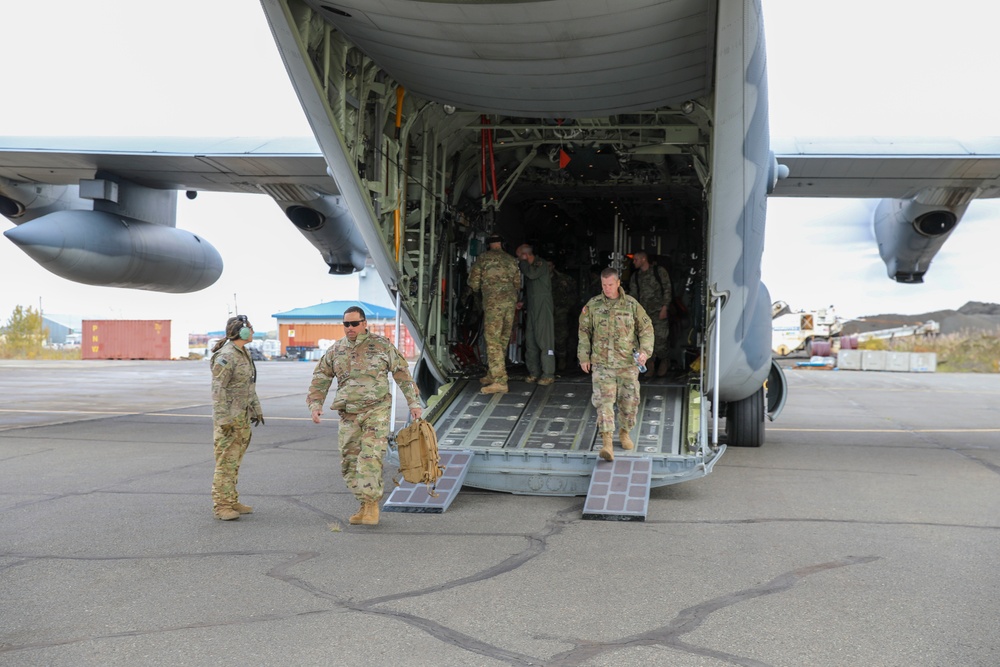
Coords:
642,367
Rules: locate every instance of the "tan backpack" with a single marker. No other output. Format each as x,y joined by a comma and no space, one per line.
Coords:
419,462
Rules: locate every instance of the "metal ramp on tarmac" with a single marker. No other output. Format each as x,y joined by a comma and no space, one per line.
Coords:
414,498
543,440
619,489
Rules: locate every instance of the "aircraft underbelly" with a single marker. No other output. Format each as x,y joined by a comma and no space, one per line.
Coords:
544,441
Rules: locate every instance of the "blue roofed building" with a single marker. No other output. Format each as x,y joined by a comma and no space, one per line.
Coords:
307,332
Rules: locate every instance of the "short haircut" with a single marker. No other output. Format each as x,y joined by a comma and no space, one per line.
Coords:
637,253
527,247
356,309
608,272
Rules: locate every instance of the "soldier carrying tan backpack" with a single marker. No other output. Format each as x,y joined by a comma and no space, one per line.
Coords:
419,462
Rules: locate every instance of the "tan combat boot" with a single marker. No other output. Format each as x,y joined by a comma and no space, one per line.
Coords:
608,450
226,513
544,382
358,516
495,388
625,439
370,516
486,379
242,509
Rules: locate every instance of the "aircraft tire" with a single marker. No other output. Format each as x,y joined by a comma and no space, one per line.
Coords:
745,421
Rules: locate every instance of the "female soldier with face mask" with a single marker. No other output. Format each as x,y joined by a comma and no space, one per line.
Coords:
234,407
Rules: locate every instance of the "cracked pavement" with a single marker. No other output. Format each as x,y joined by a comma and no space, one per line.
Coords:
864,532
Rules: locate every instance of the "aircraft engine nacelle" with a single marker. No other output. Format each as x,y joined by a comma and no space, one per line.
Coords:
909,234
109,250
330,228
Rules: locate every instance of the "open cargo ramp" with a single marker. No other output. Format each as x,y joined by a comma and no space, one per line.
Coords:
543,440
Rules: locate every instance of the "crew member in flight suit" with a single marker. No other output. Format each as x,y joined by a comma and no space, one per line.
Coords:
234,407
539,331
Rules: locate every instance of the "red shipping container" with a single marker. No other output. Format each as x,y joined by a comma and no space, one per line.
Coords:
125,339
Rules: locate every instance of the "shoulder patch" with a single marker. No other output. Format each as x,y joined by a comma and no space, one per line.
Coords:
223,361
584,311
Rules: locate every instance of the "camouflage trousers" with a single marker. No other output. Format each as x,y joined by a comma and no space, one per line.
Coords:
661,331
498,318
364,439
231,442
615,385
560,331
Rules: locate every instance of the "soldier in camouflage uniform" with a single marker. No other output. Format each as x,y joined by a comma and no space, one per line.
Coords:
539,330
612,327
650,285
563,300
360,362
234,407
495,274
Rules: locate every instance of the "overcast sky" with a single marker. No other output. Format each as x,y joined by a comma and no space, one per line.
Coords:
190,67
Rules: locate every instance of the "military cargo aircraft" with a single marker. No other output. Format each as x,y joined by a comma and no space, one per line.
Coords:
589,129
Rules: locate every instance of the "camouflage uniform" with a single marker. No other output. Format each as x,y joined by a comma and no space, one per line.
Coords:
563,300
234,403
495,274
610,331
651,288
364,401
539,354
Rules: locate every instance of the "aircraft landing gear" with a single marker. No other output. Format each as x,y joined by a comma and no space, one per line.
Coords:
745,421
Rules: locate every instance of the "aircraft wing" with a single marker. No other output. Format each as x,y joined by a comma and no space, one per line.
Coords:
873,167
236,164
924,187
70,196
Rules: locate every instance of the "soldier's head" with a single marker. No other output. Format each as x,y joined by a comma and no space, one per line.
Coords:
494,242
239,329
355,323
610,283
640,260
526,252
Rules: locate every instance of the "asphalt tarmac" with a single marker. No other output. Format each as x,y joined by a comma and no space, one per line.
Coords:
865,532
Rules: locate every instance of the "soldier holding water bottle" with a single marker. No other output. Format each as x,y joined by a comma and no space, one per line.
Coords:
616,336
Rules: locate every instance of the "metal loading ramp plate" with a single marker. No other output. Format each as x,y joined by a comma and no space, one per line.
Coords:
619,489
414,498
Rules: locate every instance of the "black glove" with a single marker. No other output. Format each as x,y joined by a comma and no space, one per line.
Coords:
257,420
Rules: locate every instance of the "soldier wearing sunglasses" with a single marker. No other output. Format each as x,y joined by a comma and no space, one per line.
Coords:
360,362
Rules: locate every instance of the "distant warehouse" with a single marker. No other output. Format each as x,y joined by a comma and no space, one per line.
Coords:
125,339
304,332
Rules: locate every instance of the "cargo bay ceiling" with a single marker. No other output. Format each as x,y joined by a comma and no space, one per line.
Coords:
583,58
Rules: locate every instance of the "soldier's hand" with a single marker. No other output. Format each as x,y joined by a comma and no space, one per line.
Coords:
315,416
257,419
585,365
415,413
643,358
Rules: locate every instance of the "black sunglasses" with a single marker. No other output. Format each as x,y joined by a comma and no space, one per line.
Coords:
356,323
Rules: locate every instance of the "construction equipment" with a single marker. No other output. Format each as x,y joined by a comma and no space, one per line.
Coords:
794,331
